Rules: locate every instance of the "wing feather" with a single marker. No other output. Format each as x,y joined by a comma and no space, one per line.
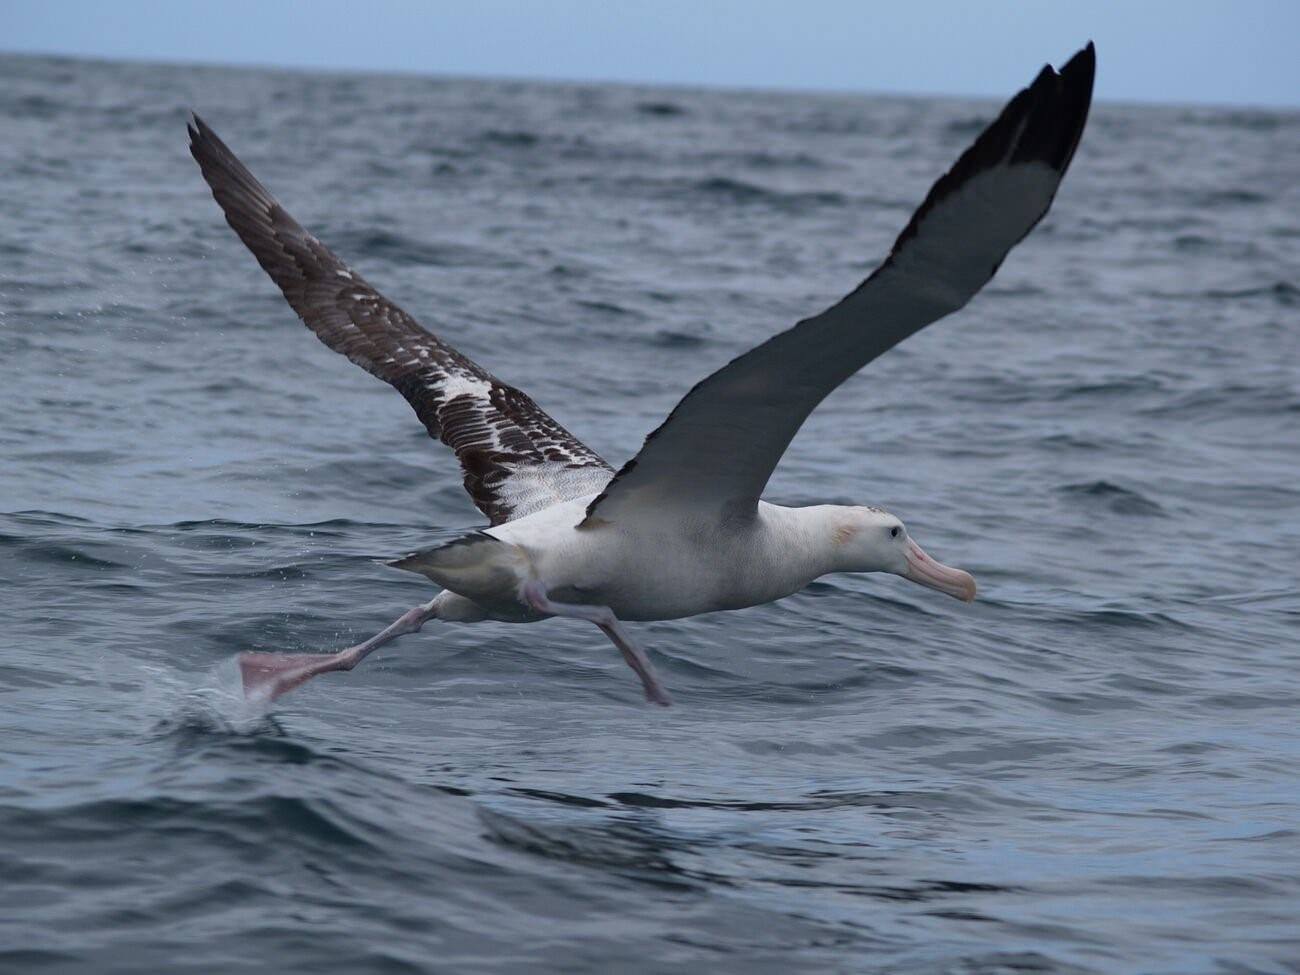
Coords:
713,456
516,459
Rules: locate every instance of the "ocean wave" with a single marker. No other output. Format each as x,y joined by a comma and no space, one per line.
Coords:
1112,497
397,248
661,109
743,192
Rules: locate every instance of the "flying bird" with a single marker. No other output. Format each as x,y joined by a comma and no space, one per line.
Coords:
681,528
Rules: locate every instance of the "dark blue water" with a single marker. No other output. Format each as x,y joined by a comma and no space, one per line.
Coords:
1091,769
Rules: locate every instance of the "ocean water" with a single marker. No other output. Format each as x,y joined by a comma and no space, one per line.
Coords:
1093,768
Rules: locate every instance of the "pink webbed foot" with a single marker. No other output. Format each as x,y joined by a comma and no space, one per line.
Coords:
267,676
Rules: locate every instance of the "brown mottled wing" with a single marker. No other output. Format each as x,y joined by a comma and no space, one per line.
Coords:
516,459
713,456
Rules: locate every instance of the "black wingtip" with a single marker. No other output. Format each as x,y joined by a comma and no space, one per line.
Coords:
1077,79
202,138
199,133
1041,123
1083,66
1055,108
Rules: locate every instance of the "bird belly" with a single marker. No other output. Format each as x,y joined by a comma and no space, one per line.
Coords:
642,577
654,572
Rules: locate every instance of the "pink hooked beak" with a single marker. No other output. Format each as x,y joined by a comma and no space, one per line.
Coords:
925,570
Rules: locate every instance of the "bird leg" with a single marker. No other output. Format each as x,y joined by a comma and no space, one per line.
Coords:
267,676
534,594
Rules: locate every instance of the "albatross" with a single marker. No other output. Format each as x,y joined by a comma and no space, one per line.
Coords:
681,528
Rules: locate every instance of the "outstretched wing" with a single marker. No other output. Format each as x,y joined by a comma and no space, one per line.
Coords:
714,454
515,458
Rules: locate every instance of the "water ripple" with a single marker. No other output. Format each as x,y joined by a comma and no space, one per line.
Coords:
1089,769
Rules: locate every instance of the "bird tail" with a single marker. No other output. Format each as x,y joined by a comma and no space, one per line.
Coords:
476,566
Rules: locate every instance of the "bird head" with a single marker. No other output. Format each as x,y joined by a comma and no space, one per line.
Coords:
873,540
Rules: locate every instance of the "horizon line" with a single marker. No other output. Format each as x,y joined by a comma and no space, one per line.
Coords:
738,87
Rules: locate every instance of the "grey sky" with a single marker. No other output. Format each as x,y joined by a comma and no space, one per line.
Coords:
1242,52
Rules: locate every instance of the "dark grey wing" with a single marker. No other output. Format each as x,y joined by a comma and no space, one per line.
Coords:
515,458
714,454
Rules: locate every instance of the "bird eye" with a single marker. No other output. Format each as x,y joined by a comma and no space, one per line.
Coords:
893,532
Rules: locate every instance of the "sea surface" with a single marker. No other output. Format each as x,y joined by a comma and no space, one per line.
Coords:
1093,768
